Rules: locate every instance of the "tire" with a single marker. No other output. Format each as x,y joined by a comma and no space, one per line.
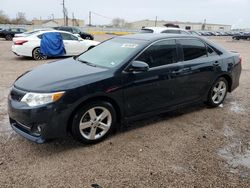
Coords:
236,38
8,37
91,130
218,92
88,37
37,55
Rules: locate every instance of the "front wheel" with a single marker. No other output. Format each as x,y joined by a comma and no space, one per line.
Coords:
93,122
218,92
36,54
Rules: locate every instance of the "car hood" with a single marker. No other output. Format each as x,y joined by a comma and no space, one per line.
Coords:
60,75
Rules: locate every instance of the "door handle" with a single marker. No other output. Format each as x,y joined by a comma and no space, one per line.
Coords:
181,71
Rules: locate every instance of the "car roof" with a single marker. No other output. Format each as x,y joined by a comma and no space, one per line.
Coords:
149,38
160,29
52,31
155,36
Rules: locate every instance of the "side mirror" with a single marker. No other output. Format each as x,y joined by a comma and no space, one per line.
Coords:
139,66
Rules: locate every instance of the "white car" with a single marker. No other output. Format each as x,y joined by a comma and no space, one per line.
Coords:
169,30
29,46
25,34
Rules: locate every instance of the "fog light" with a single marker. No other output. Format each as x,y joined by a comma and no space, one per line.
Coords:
37,130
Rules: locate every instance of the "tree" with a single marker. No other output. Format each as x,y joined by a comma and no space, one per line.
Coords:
20,18
4,19
118,22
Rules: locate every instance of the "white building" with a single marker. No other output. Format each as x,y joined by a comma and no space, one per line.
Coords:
183,25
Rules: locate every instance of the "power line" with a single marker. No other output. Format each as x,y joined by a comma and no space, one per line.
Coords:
101,15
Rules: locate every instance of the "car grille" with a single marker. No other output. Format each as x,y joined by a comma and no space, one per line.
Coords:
16,94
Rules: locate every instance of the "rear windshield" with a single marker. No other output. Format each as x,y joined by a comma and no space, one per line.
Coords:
146,31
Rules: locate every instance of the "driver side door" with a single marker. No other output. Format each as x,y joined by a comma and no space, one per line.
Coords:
154,89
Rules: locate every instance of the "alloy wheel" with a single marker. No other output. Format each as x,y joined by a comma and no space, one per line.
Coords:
37,55
219,92
95,123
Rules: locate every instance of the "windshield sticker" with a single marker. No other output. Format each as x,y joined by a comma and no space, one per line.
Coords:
127,45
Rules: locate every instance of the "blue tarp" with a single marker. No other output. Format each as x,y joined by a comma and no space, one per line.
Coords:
52,44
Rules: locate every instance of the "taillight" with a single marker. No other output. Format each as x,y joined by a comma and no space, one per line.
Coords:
20,42
240,59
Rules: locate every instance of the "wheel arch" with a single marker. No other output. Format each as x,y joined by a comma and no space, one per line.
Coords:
229,81
92,99
34,49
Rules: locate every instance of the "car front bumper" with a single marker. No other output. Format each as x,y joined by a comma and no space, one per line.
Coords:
37,124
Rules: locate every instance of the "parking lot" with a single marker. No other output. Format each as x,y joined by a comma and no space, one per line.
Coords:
192,147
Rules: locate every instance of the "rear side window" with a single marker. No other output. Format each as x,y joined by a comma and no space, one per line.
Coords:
76,31
160,53
210,51
67,36
172,31
146,31
193,49
40,36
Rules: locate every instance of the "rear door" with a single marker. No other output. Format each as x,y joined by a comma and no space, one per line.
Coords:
72,45
200,65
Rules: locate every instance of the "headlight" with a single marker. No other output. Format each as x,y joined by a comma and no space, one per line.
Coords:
37,99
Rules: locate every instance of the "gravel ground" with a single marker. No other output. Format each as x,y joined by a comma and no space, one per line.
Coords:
192,147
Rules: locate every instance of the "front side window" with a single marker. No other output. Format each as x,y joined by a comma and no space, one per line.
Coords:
193,49
159,54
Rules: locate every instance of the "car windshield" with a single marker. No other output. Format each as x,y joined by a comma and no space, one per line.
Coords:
112,52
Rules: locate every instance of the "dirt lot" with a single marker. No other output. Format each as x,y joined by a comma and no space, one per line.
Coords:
192,147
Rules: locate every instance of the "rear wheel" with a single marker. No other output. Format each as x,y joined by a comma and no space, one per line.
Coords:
218,92
36,54
93,122
9,37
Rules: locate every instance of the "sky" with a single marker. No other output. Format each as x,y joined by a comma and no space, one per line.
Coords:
232,12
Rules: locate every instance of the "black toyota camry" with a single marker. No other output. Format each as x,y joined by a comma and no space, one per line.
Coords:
122,79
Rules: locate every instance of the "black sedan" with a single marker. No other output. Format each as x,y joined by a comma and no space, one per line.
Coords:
8,34
241,36
122,79
75,30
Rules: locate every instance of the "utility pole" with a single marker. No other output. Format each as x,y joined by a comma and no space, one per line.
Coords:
73,19
89,18
64,16
156,21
